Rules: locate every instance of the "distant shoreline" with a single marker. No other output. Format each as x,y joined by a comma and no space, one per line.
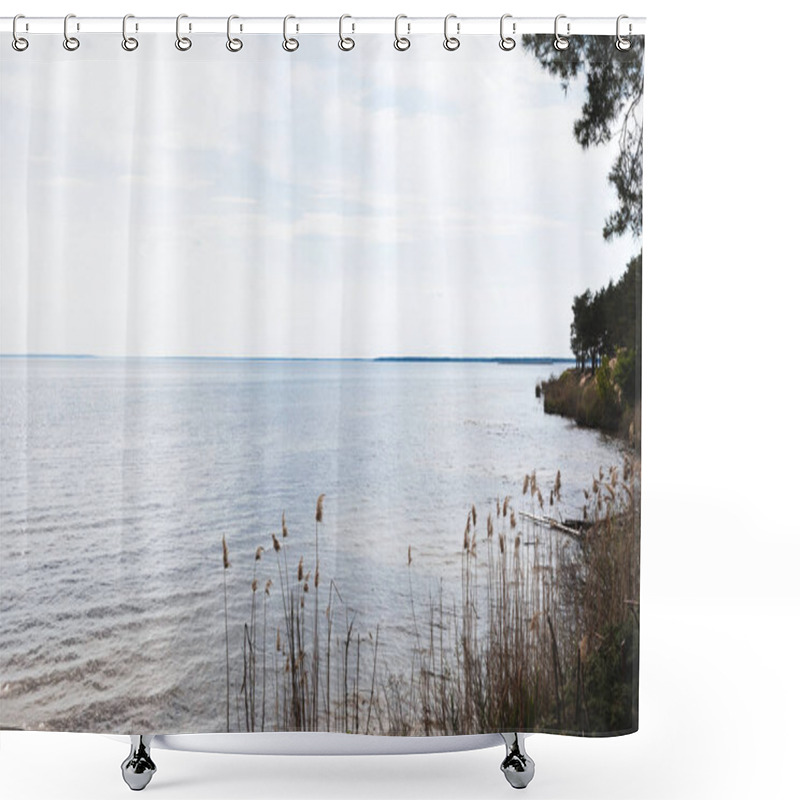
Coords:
379,359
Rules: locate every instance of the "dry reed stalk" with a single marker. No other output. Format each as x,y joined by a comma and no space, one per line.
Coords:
318,518
329,615
254,587
267,587
348,639
225,566
356,694
374,670
243,689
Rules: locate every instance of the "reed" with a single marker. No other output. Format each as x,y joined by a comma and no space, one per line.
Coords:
318,518
313,684
532,642
225,566
543,637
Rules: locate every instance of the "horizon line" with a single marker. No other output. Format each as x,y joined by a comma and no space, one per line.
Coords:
410,358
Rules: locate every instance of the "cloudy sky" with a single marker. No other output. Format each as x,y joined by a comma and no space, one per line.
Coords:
314,204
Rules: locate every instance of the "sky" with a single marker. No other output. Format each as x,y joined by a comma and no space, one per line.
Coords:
312,204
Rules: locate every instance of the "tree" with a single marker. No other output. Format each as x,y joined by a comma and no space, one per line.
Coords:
579,329
608,321
614,87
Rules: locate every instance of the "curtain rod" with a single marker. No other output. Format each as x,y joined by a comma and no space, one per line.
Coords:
462,26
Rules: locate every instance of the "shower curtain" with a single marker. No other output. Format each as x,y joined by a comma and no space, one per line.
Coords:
320,382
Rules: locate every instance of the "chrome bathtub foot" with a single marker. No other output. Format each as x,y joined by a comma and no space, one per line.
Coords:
138,768
517,766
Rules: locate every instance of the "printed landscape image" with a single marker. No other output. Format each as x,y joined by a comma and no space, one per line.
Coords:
321,404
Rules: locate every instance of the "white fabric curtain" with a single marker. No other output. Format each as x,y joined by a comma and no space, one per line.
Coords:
276,334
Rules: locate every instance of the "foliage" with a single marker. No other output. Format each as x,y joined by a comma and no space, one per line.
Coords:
612,110
611,679
626,375
609,320
608,400
605,382
606,323
561,394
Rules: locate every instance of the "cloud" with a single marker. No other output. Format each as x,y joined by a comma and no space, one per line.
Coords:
380,186
236,200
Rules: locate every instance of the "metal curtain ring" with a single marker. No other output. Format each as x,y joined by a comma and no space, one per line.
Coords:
234,45
506,42
451,42
290,45
345,42
18,42
561,42
181,42
401,42
129,43
70,42
623,42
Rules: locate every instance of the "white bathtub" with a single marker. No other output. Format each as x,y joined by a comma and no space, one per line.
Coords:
138,768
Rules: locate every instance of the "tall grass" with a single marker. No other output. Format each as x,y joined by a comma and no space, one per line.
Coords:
543,635
308,683
536,613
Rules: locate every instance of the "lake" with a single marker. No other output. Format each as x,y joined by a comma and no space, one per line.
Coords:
119,478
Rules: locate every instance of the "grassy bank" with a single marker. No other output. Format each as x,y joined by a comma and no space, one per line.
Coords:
609,399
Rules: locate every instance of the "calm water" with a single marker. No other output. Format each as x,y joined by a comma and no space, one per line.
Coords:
120,477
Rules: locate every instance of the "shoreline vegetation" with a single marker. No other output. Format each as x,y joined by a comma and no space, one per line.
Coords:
604,389
541,634
596,400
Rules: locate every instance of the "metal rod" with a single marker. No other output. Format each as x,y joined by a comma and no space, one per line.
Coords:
328,25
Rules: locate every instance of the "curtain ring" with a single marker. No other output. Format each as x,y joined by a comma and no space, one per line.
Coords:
345,42
561,42
623,42
70,42
450,42
506,42
401,42
181,42
18,42
234,45
129,43
289,45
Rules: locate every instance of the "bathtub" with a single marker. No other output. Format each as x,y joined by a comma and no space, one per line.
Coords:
139,767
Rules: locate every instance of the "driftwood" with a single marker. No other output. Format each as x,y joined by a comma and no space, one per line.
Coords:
554,523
